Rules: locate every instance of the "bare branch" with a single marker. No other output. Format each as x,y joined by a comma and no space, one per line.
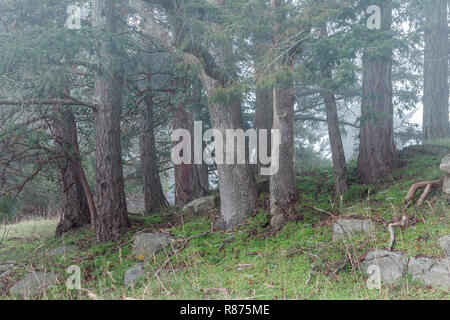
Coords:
64,102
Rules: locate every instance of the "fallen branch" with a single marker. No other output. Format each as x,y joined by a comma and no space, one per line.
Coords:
391,230
419,185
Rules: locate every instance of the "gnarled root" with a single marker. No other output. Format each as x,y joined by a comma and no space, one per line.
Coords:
419,185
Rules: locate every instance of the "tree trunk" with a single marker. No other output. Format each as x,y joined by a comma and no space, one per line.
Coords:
436,89
282,184
236,181
263,118
112,209
191,180
74,206
153,193
334,132
377,153
337,148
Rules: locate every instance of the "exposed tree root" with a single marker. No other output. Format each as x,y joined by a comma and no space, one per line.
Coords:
391,230
419,185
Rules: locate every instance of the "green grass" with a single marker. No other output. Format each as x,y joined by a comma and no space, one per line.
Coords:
300,262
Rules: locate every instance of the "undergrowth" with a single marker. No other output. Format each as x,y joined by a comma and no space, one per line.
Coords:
300,262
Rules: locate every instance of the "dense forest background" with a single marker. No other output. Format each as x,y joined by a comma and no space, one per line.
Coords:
90,93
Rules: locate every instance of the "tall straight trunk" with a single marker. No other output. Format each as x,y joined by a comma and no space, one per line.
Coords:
151,182
237,185
112,209
282,184
436,89
191,180
377,153
334,132
263,118
153,193
74,205
236,181
337,148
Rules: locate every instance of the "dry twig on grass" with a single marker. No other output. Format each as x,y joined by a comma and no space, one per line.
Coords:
391,230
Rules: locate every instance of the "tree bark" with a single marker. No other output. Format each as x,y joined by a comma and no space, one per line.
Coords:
236,181
74,206
334,132
153,193
191,180
436,88
377,153
151,182
263,118
337,148
112,209
282,184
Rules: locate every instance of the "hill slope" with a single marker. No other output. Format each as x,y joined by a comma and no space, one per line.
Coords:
300,262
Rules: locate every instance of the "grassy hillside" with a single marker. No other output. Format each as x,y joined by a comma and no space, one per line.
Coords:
301,262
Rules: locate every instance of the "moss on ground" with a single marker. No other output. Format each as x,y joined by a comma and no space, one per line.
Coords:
300,262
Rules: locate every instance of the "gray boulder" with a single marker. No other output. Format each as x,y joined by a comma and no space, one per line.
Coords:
6,268
445,165
133,274
420,265
145,245
351,226
446,188
445,244
135,204
392,264
200,206
63,250
33,285
438,275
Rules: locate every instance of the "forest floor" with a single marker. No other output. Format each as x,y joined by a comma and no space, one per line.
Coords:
300,262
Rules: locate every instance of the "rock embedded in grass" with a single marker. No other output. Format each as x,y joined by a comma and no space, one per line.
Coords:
445,244
6,268
34,284
145,245
438,275
419,265
446,188
200,206
394,265
349,227
133,274
445,165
